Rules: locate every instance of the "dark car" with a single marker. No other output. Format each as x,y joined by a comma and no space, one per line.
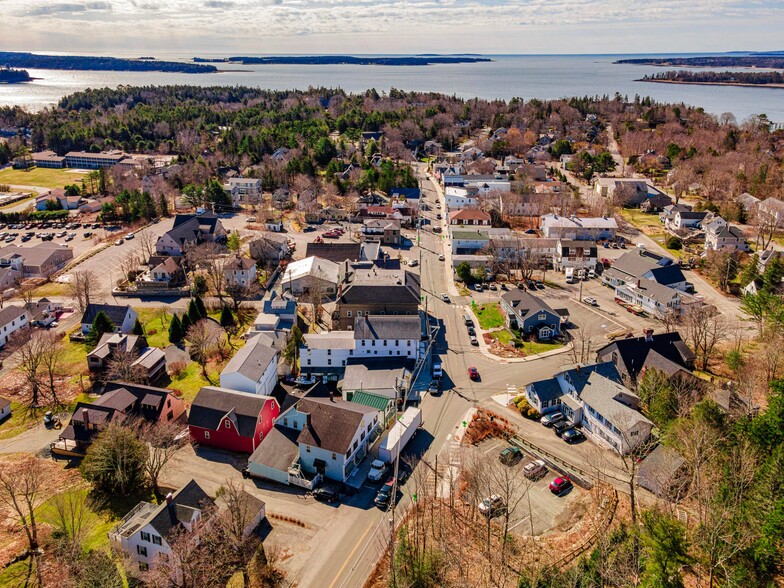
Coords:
325,494
384,496
539,285
531,232
562,426
572,436
510,455
560,485
471,332
521,285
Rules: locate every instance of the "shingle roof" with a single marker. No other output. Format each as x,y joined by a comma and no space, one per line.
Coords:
547,390
579,375
524,303
330,340
600,393
337,252
251,360
312,266
279,449
633,352
469,214
10,313
659,469
168,516
333,424
4,402
380,285
212,404
387,327
115,313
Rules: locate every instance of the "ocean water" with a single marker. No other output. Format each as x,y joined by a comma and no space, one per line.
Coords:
524,76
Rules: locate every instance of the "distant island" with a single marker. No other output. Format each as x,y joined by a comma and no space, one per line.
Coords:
770,61
764,79
344,60
13,76
80,62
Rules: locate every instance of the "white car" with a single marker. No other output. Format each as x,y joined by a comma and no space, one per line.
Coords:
119,241
413,263
441,257
590,300
445,297
535,469
377,470
129,236
491,506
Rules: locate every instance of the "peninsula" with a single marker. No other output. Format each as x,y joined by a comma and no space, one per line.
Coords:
345,60
81,62
759,79
769,61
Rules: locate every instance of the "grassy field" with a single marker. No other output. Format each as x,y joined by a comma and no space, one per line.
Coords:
156,325
44,177
503,336
641,219
190,381
490,315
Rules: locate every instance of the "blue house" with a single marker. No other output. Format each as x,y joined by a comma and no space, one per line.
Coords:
530,314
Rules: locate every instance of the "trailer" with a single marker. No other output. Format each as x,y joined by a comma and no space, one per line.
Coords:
400,434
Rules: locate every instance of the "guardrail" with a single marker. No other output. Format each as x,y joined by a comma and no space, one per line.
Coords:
582,478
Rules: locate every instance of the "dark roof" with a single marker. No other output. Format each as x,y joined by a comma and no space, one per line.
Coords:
207,219
146,405
579,375
279,449
669,274
9,313
639,261
688,214
547,389
524,303
119,399
633,352
115,313
379,285
212,404
409,193
186,231
337,252
388,327
659,470
168,516
333,423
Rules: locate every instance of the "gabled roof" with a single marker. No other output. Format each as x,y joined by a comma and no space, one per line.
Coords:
691,215
115,313
525,304
10,313
728,231
374,285
369,374
336,252
333,423
655,291
388,327
469,214
578,376
212,404
600,394
312,267
169,515
169,266
239,264
633,352
252,360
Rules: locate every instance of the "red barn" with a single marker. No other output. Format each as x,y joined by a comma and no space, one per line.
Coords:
231,420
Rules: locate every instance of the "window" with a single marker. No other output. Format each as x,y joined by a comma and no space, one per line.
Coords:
409,343
397,342
141,550
307,448
156,540
170,415
308,361
359,313
329,352
143,566
398,351
285,422
145,536
373,342
329,362
363,342
542,317
348,313
334,456
362,436
227,424
168,403
356,444
206,434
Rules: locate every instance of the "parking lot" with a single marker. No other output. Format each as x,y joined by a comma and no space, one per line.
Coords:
533,508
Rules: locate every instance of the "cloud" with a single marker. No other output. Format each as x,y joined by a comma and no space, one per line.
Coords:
66,8
222,4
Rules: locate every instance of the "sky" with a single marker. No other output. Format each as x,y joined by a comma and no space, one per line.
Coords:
250,27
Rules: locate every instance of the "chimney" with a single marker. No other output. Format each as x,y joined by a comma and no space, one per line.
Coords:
85,416
169,498
307,420
648,335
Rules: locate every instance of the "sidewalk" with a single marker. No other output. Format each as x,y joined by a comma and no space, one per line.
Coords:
444,238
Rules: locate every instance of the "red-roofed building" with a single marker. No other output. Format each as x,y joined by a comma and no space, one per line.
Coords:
470,218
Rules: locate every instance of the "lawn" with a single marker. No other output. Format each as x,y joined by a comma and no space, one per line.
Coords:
156,325
490,315
44,177
503,336
20,420
534,347
190,381
641,219
52,289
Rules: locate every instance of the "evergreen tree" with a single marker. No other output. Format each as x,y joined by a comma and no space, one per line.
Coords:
200,306
101,324
193,312
233,242
163,206
226,318
185,323
175,330
750,271
774,271
138,329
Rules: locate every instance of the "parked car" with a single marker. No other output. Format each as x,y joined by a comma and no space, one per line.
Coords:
535,470
539,285
473,373
377,470
434,388
549,420
438,216
510,455
129,236
471,332
493,287
413,263
560,485
119,242
572,436
560,427
87,234
492,506
436,229
590,300
445,297
531,232
384,496
325,494
521,285
474,341
441,257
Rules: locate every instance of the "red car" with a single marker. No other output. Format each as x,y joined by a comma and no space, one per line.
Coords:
473,373
560,485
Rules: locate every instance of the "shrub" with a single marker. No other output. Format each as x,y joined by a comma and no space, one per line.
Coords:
525,408
674,243
177,368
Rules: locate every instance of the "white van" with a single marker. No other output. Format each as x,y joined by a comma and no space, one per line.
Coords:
569,275
591,273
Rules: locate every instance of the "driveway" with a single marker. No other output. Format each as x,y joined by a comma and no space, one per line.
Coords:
32,441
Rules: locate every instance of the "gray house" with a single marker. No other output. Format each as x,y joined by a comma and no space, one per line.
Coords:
530,314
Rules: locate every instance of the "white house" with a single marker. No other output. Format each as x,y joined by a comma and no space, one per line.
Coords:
686,219
245,189
725,238
122,317
642,264
375,336
144,533
461,197
575,254
300,276
253,369
594,397
651,296
554,226
468,240
12,319
240,271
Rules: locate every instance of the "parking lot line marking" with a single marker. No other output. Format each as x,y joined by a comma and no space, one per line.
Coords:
521,521
493,448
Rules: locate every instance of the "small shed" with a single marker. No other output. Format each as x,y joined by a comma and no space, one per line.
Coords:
663,472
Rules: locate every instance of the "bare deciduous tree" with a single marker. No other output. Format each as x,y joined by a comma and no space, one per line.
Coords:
705,328
84,284
121,367
203,340
161,446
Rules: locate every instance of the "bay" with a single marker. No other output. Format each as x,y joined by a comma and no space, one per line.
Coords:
507,76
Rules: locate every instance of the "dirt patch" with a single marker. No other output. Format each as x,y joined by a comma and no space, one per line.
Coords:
486,424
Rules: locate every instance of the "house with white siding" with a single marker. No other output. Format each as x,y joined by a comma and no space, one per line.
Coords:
12,319
253,369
